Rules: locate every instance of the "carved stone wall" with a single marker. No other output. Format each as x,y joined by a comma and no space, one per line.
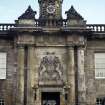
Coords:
95,87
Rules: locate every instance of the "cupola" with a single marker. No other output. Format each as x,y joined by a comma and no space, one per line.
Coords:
27,18
74,18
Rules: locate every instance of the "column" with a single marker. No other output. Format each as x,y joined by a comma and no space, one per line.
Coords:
20,76
71,76
32,79
81,77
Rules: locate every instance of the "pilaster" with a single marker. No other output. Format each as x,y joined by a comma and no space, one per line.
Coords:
38,100
20,76
62,99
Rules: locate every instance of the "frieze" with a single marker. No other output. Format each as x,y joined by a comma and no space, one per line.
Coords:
43,40
25,39
76,40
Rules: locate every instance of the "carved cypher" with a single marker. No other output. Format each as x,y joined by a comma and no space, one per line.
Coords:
50,68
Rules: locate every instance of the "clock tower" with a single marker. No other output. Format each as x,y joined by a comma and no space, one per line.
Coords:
50,10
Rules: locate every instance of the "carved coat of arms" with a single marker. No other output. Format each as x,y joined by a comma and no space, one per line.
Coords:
50,67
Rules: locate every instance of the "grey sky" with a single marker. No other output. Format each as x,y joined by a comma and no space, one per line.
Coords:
92,10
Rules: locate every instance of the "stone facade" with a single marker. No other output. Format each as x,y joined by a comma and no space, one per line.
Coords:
51,65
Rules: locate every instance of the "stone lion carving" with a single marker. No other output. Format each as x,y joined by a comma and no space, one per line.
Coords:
50,67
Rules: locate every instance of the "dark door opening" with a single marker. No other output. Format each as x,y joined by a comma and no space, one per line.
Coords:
50,98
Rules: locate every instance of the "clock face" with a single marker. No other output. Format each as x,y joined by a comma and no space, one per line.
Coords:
51,9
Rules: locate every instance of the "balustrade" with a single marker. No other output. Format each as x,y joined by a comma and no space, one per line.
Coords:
96,27
5,27
63,23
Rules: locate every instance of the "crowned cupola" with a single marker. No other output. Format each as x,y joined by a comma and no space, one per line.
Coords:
27,18
74,19
50,9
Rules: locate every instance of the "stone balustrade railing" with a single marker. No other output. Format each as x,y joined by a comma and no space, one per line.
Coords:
5,27
96,27
93,27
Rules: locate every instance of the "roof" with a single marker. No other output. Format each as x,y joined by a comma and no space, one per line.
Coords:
73,14
29,14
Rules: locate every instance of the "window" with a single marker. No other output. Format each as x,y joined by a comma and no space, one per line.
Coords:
100,101
100,65
2,102
3,57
